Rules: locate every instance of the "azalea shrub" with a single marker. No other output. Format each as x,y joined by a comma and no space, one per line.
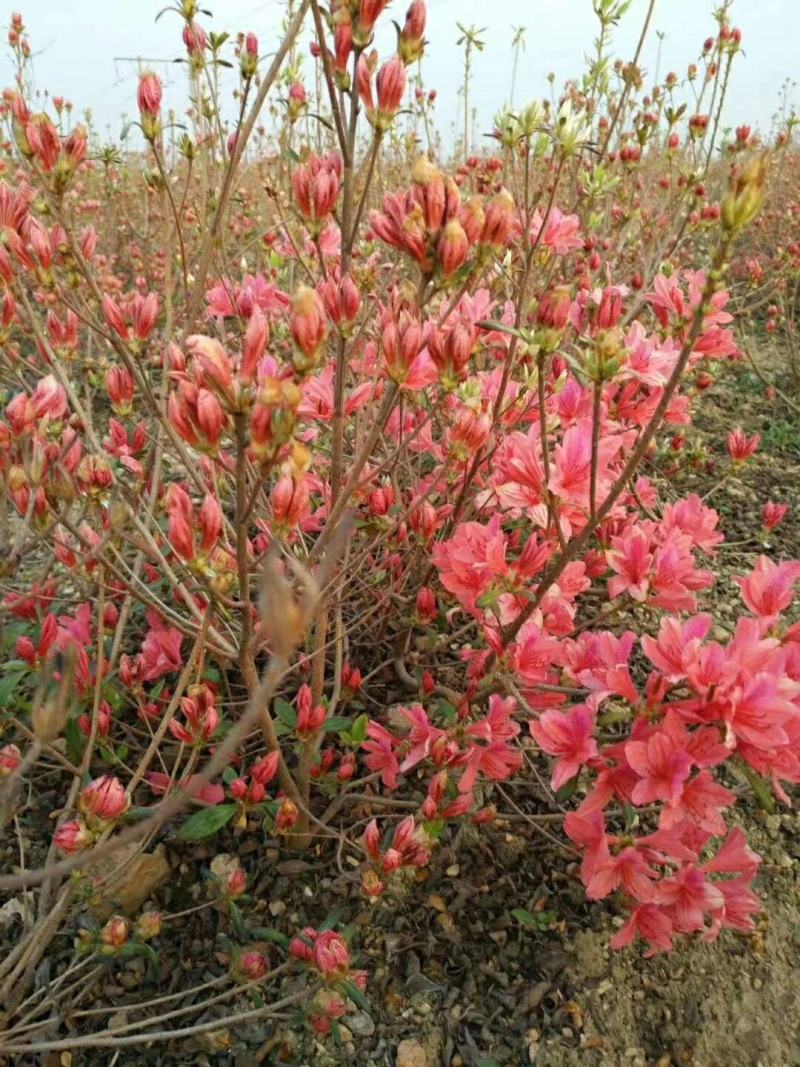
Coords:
333,499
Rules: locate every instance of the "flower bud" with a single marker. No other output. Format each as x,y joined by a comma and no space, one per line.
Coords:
410,43
72,837
104,799
553,309
148,97
252,966
148,925
745,196
249,58
309,328
9,759
115,932
453,248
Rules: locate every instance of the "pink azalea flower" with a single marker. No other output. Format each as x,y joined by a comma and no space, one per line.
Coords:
631,560
381,755
739,904
567,736
688,896
677,644
161,651
649,922
423,735
561,232
701,802
627,869
691,517
734,856
741,447
599,661
663,766
471,560
769,588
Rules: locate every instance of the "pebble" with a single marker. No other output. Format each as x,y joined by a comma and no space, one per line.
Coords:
361,1024
276,907
411,1054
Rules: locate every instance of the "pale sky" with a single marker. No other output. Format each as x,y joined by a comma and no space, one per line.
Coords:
78,45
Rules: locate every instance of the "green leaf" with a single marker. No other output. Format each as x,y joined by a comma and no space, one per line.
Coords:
446,710
331,921
267,933
434,828
525,917
285,712
500,327
359,732
336,1033
74,739
206,822
567,789
355,994
8,683
237,919
157,690
766,800
336,723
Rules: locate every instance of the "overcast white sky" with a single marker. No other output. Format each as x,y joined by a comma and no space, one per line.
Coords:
78,44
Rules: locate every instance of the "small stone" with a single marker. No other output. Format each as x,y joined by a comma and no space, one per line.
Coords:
784,860
604,987
411,1054
361,1024
276,908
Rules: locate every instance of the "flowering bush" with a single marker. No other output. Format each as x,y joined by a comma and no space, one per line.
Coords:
322,500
